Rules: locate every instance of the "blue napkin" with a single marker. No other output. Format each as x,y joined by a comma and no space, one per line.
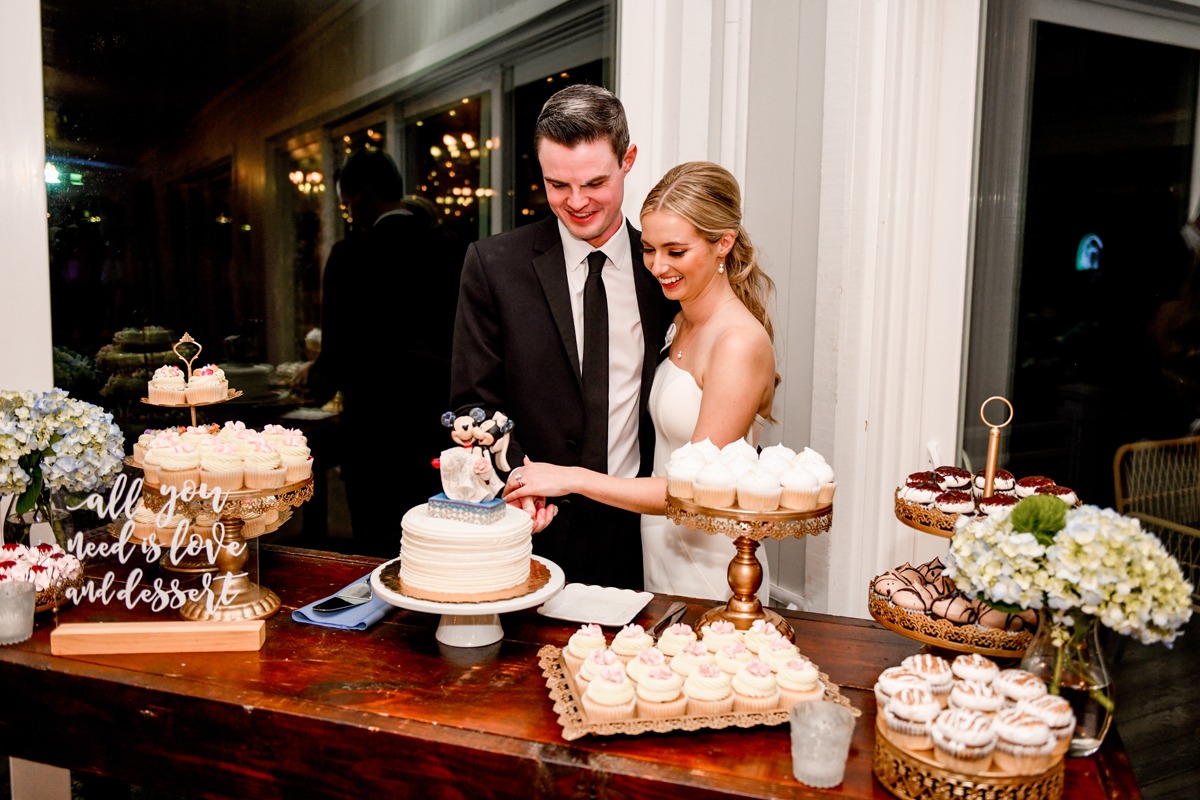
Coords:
355,618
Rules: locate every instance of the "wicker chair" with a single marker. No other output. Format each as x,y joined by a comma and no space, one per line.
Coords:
1158,482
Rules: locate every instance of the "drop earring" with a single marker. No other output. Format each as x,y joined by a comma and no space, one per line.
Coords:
721,268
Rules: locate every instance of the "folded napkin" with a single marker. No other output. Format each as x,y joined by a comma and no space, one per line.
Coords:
354,618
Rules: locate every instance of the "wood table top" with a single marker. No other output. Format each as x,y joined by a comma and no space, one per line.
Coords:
335,713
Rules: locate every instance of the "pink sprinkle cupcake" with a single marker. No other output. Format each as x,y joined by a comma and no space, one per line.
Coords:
709,691
610,696
660,694
581,644
754,688
629,641
799,681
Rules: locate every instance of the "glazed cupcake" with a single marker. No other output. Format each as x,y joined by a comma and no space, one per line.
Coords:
974,667
754,687
629,641
715,486
207,385
719,633
221,467
1017,685
778,652
798,680
799,488
893,679
582,642
976,696
647,659
167,387
908,717
610,696
732,656
963,740
179,466
659,694
709,690
761,633
758,490
1056,712
675,637
263,467
596,660
693,655
1024,743
934,669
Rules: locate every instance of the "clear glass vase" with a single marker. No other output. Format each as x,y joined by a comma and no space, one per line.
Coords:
1066,653
48,521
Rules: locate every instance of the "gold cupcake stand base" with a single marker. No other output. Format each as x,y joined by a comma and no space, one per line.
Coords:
747,529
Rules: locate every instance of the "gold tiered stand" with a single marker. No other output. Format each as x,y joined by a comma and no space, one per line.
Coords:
747,529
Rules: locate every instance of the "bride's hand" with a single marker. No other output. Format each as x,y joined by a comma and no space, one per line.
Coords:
518,493
539,479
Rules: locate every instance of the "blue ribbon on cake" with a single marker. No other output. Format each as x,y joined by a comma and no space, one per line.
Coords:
354,618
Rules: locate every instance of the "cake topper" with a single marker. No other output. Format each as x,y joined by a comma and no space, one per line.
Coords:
468,472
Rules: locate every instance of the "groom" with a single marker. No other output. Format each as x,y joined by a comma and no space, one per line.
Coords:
519,332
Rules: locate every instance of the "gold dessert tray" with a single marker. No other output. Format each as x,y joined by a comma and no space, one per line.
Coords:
55,597
939,632
919,776
575,723
757,525
927,520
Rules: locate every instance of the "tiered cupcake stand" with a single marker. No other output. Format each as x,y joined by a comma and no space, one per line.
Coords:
747,529
231,595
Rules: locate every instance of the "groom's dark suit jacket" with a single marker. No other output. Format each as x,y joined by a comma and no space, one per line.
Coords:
515,351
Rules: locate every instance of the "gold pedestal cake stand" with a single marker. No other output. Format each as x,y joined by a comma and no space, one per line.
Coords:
747,529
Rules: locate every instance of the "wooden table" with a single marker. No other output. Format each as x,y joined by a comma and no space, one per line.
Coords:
389,711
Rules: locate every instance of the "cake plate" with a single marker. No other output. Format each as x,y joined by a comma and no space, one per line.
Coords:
469,624
747,528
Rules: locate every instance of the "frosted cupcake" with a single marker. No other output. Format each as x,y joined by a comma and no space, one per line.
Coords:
198,435
167,386
758,490
179,466
263,467
754,688
974,667
646,659
207,385
681,474
892,680
1017,685
732,656
719,633
976,696
295,456
707,450
824,474
142,523
582,642
660,694
609,696
675,637
963,740
629,641
715,486
798,680
709,690
909,717
221,467
601,658
738,449
231,430
761,633
778,652
1056,712
254,525
934,669
799,488
143,441
1024,743
693,655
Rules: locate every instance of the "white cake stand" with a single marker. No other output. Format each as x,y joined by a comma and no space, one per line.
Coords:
470,624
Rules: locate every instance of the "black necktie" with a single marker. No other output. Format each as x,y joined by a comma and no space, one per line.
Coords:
595,367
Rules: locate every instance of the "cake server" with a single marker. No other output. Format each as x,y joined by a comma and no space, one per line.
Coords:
353,595
673,613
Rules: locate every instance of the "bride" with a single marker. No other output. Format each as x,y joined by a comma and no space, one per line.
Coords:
716,381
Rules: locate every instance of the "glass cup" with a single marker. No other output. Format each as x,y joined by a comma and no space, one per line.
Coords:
16,611
821,732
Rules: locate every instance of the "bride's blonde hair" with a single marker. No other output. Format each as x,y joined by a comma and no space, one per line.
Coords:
708,196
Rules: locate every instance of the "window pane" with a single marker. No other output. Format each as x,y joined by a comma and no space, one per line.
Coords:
448,158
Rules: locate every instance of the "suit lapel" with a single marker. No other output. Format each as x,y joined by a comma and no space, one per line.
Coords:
551,269
650,298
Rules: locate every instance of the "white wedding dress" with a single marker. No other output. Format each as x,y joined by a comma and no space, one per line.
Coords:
678,560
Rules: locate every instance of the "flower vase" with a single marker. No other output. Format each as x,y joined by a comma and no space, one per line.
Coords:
48,521
1066,654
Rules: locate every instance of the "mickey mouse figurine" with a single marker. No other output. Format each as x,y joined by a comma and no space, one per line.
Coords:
467,470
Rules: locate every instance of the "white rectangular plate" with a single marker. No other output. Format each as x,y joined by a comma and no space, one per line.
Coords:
603,605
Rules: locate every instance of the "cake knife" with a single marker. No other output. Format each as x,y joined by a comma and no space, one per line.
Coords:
673,613
353,595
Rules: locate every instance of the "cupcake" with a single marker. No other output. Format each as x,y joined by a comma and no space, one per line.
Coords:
892,680
828,485
139,447
799,488
629,641
754,687
221,467
798,680
761,633
963,740
581,644
921,494
951,477
691,656
714,486
675,637
738,449
997,505
1002,481
758,490
295,456
1017,685
778,652
1024,743
207,385
732,656
596,660
1056,712
179,466
609,696
1068,496
646,659
934,669
954,501
976,696
171,530
709,690
1029,485
659,694
775,462
263,467
719,633
974,667
780,451
198,435
167,387
254,525
681,472
142,523
908,717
